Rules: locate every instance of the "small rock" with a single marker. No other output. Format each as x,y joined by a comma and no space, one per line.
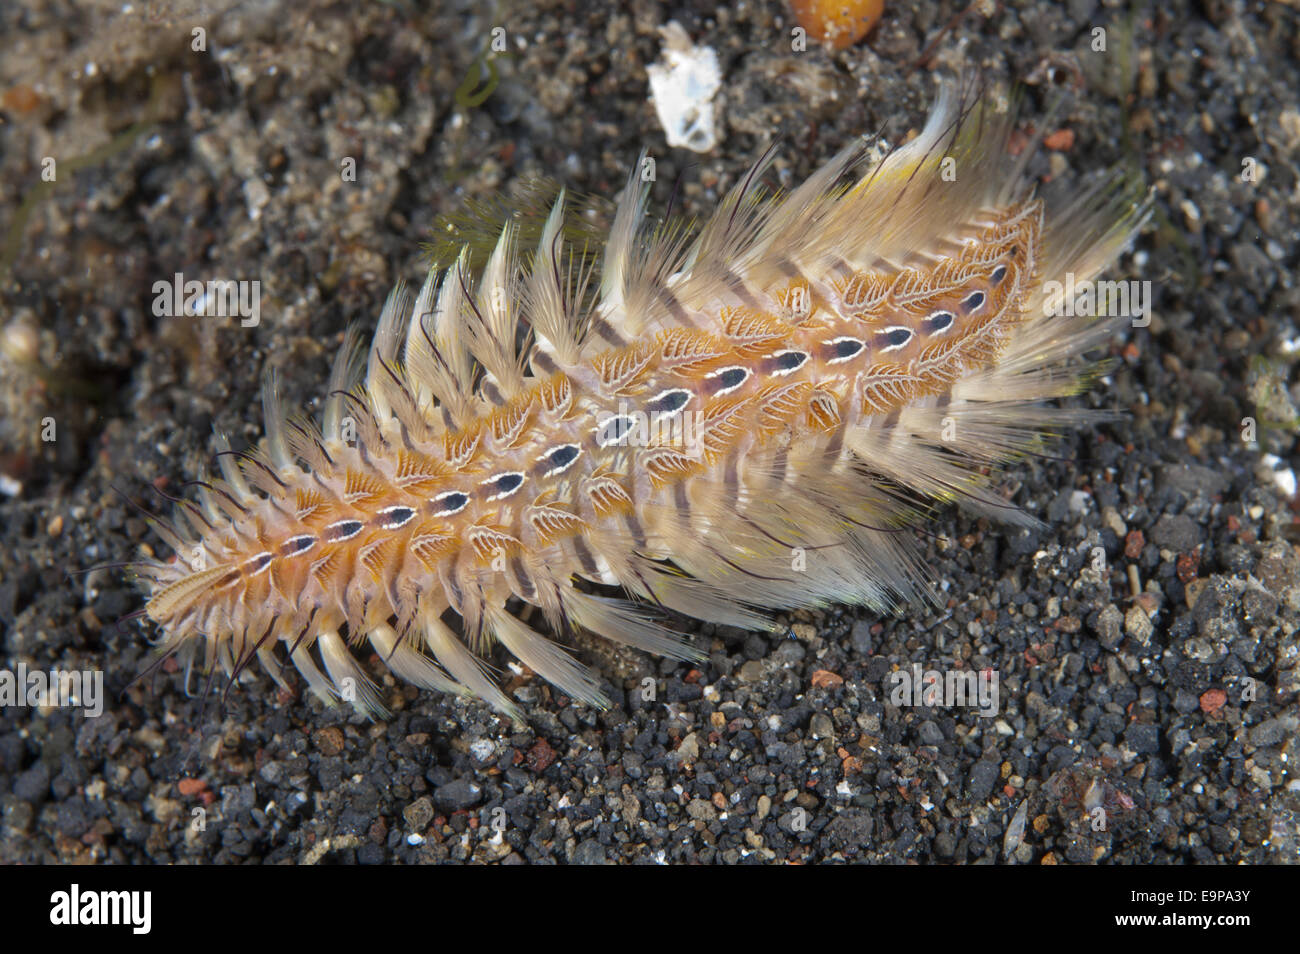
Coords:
457,796
1180,534
1109,626
821,726
851,828
34,784
825,679
1133,544
1016,830
751,671
1143,738
1193,480
590,852
1062,140
982,777
790,653
701,810
1269,732
944,845
860,638
541,756
1137,624
329,740
418,814
689,750
1212,700
804,631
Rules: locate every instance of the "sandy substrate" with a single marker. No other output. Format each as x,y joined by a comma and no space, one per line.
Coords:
1173,711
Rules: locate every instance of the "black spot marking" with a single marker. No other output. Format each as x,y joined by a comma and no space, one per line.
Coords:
343,530
787,362
558,459
891,339
973,301
394,517
503,485
299,544
446,504
998,273
259,563
670,401
615,430
842,349
727,380
938,322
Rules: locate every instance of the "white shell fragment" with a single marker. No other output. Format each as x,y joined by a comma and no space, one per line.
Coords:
682,87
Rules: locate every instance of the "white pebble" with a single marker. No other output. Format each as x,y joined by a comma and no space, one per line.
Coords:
682,87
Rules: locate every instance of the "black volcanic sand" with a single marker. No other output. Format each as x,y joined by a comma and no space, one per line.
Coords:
1172,711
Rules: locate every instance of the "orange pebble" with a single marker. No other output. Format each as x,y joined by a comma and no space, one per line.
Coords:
1060,141
825,679
837,23
21,98
191,786
1212,700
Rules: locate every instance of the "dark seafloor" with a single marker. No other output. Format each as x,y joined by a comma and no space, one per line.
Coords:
225,163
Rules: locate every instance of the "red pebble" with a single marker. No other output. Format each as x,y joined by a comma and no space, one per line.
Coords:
1212,700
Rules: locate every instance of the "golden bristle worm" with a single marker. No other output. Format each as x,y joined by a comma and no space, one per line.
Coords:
805,372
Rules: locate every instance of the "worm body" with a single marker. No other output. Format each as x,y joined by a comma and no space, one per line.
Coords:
724,423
